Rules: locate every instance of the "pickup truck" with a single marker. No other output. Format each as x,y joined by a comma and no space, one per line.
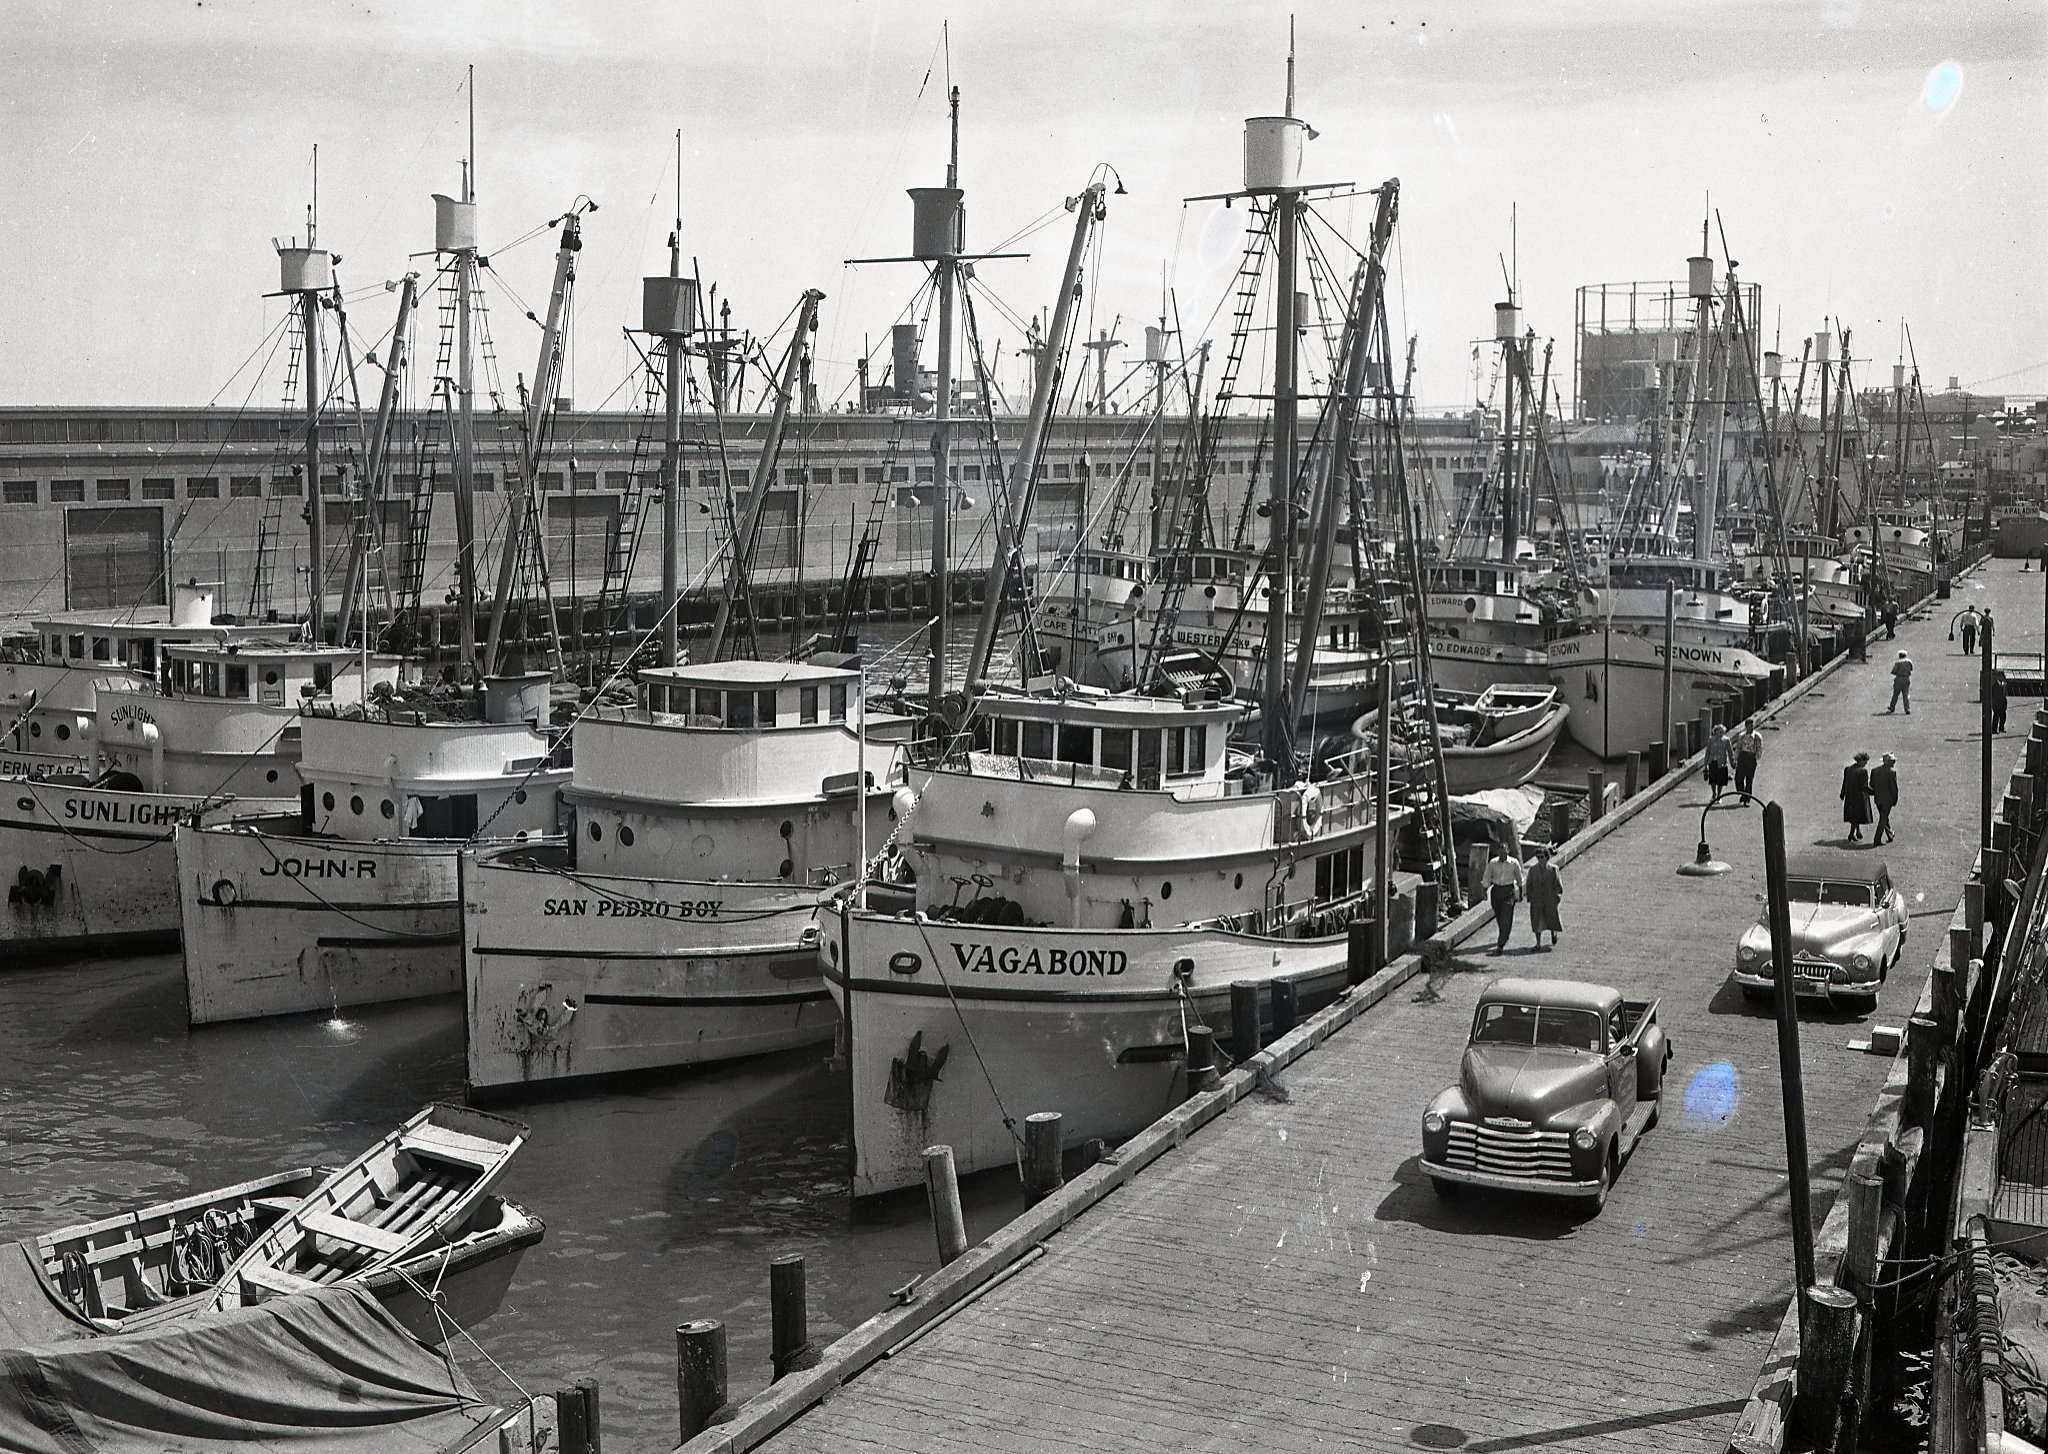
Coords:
1559,1082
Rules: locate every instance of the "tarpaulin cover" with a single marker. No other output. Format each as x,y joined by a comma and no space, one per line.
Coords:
329,1370
31,1311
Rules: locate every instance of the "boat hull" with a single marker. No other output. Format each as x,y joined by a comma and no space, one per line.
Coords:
1508,763
1473,666
570,975
1613,681
277,924
1015,1029
115,879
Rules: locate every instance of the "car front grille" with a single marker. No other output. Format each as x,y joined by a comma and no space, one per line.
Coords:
1545,1155
1811,967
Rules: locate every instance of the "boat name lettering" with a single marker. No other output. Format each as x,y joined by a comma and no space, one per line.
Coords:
319,868
94,810
126,713
631,908
1010,959
1706,654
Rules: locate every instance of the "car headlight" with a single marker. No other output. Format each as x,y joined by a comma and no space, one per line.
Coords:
1860,961
1749,954
1433,1120
1584,1139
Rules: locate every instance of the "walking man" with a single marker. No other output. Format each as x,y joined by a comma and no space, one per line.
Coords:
1884,796
1856,795
1545,891
1503,880
1717,760
1749,746
1890,612
1966,622
1902,683
1997,693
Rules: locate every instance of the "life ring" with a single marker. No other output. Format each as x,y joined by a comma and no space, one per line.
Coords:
224,893
1311,810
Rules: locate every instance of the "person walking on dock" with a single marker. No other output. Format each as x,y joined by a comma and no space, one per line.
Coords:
1749,746
1902,683
1889,613
1545,891
1717,760
1503,880
1966,622
1884,796
1997,695
1856,795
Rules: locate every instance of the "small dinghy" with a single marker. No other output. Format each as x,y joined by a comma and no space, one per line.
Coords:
408,1194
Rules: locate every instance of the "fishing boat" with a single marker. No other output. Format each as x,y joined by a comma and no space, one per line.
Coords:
90,857
1093,870
674,923
409,1193
164,1262
353,899
1498,738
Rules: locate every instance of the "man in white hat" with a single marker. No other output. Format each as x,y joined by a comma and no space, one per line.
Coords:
1902,683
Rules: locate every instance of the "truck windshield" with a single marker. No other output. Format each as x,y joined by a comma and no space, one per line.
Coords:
1502,1024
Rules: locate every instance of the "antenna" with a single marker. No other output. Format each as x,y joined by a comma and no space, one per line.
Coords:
953,159
313,209
675,239
469,168
1290,67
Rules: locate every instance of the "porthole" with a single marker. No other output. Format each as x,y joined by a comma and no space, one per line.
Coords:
702,845
625,836
355,804
270,776
597,833
1238,883
327,801
270,676
787,829
387,808
787,869
519,796
35,729
63,731
1166,890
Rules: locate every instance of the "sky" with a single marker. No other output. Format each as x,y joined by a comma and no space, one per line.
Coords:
1876,162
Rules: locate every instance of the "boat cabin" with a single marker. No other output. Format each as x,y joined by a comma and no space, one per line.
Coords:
132,637
1102,739
273,674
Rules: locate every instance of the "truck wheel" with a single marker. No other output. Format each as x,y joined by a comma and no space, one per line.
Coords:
1446,1191
1609,1169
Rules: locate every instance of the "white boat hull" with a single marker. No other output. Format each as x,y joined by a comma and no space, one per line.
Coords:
1613,681
91,867
1473,666
1021,1029
278,924
570,974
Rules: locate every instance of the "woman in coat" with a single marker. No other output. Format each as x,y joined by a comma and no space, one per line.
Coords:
1545,891
1856,795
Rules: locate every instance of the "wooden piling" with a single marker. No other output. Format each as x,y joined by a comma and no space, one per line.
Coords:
1658,759
1426,910
1973,913
1044,1155
1632,775
1596,790
1286,1006
942,1189
789,1317
572,1423
1923,1054
700,1375
1825,1354
1202,1074
1866,1220
1244,1021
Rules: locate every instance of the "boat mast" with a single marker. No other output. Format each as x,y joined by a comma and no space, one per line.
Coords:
675,322
1005,568
946,240
455,232
1285,189
309,301
1507,331
1706,499
357,577
521,504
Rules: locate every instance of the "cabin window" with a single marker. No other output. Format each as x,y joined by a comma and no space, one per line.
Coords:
142,653
655,699
839,702
1148,758
764,709
455,817
327,801
1077,744
209,676
77,647
387,808
1038,739
710,705
1116,750
355,804
807,704
323,677
739,709
1340,874
102,649
238,682
625,836
1006,736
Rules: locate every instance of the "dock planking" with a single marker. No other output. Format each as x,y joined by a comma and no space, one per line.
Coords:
1287,1280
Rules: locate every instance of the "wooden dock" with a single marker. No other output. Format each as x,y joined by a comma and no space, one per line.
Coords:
1272,1271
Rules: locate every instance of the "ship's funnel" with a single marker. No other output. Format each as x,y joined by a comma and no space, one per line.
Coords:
1898,376
192,603
1699,274
304,270
939,226
668,306
1507,322
1823,347
1272,153
903,357
1155,343
454,225
520,697
1774,365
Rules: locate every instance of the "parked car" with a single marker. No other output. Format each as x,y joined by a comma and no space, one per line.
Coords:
1848,930
1559,1082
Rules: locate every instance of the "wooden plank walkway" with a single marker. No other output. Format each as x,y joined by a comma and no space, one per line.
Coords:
1286,1280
